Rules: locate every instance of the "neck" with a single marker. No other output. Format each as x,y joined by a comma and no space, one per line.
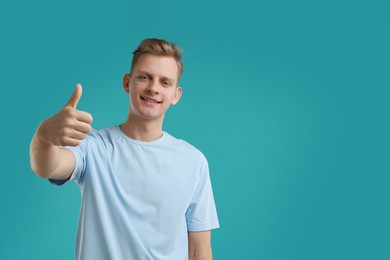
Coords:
141,129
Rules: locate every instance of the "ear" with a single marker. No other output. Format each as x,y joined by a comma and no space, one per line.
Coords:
125,82
178,93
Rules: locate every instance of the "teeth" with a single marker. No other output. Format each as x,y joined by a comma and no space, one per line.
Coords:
150,101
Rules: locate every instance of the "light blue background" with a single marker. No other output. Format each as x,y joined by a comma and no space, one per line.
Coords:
289,101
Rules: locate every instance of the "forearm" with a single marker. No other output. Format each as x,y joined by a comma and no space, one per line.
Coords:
49,160
66,128
199,246
203,252
44,157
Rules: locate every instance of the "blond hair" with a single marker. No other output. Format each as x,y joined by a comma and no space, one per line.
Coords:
158,47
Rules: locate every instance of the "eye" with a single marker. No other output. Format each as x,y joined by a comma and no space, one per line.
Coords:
166,83
143,77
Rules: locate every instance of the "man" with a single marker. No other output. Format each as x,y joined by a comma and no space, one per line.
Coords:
145,194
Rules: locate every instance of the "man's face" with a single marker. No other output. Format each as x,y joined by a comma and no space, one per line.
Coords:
152,86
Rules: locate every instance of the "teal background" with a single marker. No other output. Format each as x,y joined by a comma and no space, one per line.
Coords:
289,101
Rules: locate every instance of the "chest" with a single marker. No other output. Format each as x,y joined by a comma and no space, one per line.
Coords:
144,176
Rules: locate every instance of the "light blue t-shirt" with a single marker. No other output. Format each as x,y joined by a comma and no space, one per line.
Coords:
139,199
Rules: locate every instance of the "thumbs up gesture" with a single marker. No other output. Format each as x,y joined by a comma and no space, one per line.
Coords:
69,126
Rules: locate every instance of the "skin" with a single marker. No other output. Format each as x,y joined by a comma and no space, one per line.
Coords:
199,246
152,87
68,127
153,78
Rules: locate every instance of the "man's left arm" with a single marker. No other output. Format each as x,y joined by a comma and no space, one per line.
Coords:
199,245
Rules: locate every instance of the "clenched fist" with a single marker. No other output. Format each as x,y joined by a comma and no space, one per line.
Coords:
69,126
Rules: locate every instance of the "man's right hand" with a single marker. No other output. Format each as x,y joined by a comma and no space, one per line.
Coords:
69,126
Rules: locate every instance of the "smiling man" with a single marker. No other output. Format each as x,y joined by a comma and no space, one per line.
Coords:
145,194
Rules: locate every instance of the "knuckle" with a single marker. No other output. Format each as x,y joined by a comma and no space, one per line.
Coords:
71,113
65,132
66,111
61,132
62,140
75,143
69,121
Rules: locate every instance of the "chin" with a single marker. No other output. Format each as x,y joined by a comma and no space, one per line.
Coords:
149,116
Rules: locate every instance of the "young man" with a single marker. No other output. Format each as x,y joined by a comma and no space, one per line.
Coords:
145,194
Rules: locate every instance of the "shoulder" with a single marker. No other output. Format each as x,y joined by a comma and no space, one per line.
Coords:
185,148
104,132
102,137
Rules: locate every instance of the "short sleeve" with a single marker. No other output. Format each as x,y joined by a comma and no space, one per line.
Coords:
79,152
201,214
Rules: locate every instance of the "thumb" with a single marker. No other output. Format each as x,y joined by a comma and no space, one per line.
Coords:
74,99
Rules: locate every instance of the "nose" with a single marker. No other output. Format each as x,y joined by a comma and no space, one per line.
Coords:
152,87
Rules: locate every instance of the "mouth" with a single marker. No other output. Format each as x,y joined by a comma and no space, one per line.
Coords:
150,100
